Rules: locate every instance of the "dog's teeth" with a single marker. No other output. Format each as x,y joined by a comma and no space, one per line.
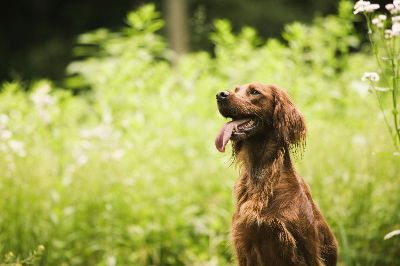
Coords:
249,124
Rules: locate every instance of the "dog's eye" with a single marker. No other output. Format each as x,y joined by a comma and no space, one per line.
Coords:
254,92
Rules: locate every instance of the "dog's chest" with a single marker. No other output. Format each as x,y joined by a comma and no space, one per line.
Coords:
264,244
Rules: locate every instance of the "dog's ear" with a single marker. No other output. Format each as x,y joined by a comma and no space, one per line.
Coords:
288,122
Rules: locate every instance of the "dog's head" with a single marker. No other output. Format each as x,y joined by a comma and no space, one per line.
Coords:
256,109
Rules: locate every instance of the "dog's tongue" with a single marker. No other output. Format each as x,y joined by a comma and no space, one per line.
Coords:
226,132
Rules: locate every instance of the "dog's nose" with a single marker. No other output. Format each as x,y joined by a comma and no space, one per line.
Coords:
222,95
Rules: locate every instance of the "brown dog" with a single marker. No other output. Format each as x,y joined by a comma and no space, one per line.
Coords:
276,221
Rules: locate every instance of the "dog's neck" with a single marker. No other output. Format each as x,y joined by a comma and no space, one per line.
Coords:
264,158
263,161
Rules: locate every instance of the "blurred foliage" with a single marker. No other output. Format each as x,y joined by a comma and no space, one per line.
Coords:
268,17
127,174
10,259
37,37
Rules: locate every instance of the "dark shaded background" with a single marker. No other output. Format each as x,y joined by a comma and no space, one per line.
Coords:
37,36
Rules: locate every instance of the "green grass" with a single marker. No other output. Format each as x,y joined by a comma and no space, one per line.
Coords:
127,173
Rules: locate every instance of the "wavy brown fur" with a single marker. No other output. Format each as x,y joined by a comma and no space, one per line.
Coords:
275,222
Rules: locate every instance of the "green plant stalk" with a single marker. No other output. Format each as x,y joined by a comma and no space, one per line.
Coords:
391,54
394,96
383,112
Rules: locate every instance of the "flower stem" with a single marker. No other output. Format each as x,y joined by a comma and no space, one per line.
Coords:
383,113
394,64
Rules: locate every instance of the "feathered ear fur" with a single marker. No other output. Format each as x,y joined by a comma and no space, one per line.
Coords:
288,122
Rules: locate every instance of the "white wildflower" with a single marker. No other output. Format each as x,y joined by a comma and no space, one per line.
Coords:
396,2
361,3
42,99
117,154
395,10
68,175
54,195
388,34
371,76
5,134
389,7
382,17
81,159
365,6
396,19
18,147
378,23
100,131
69,210
395,29
371,8
41,96
360,87
359,140
54,217
360,6
107,117
3,119
111,260
128,182
44,115
66,181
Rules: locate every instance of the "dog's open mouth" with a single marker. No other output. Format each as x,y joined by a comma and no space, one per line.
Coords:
239,127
